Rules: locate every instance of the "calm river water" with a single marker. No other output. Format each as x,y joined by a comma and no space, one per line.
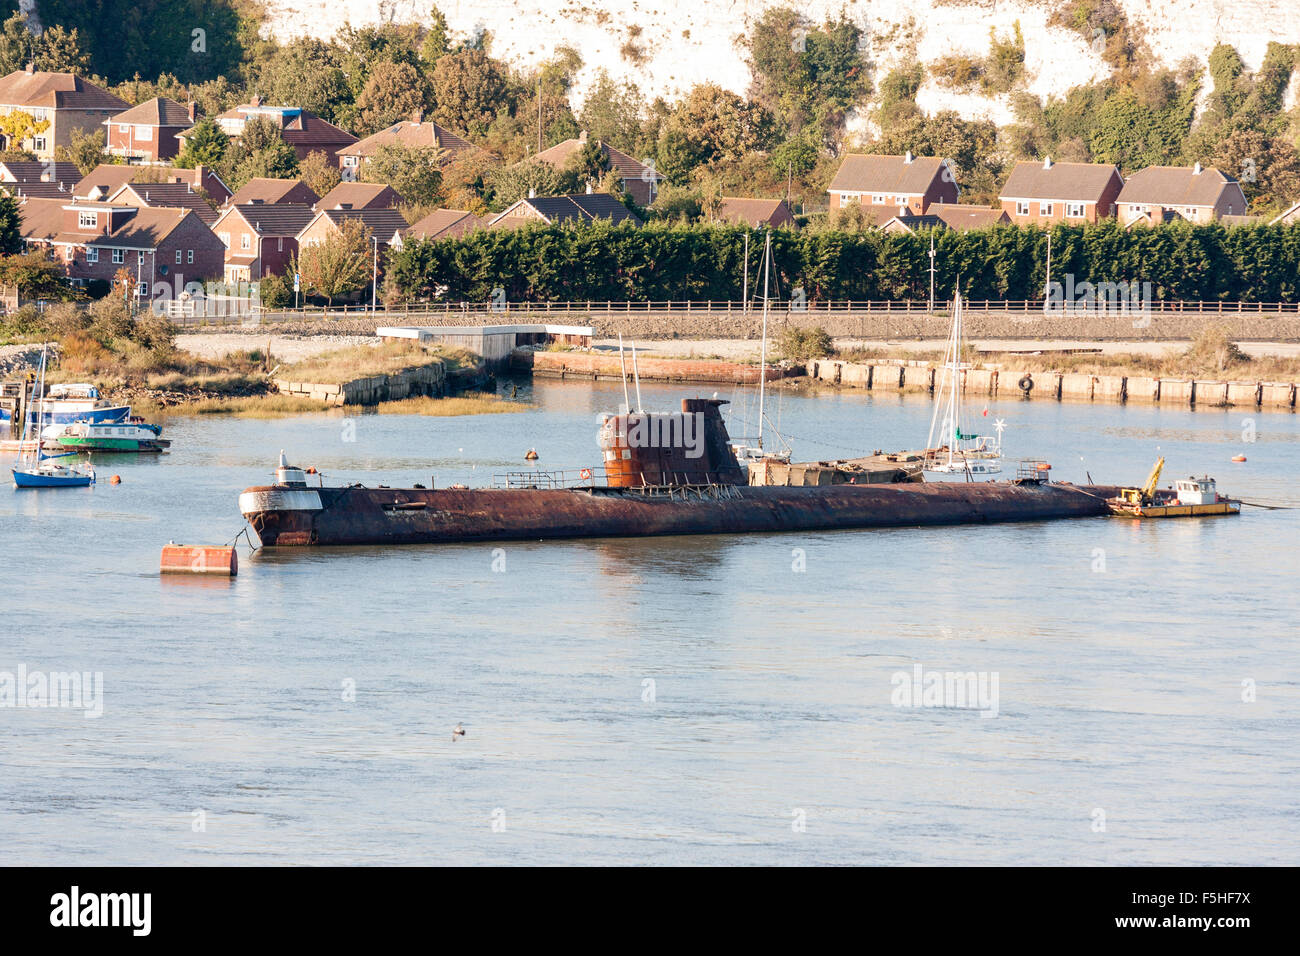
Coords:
683,700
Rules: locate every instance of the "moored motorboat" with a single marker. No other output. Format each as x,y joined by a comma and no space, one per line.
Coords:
39,470
114,437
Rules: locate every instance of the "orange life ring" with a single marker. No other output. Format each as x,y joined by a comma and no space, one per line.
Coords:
585,474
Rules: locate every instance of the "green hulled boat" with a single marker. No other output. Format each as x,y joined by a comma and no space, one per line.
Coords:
120,436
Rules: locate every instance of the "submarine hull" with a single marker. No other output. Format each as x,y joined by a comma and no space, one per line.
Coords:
299,516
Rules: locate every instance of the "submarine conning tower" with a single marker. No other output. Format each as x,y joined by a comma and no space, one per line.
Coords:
289,475
690,447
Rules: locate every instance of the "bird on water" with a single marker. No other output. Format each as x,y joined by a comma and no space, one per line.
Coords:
459,731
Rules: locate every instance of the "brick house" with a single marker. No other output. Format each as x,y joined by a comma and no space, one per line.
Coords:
640,181
104,180
175,195
64,99
1195,193
549,210
1061,192
163,248
756,212
147,133
302,129
386,225
415,132
360,196
886,186
274,191
259,239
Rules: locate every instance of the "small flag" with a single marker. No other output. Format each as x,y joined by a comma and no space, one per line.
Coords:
985,413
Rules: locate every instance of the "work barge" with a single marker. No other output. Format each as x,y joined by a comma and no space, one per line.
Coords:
664,488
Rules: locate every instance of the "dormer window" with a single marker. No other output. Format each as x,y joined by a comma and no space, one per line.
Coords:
87,220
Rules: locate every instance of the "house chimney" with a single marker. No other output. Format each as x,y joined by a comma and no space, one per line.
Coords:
256,100
532,193
588,187
30,68
1196,170
907,159
417,117
1047,163
194,111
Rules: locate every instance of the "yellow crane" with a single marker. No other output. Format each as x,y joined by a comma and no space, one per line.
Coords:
1146,494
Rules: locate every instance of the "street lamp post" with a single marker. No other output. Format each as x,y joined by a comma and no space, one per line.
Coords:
932,271
374,278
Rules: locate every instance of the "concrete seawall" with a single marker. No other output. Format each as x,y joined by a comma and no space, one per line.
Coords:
1272,396
428,379
586,365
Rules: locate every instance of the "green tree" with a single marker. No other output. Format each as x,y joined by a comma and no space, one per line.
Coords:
338,266
319,172
59,51
306,73
437,38
509,184
614,112
393,92
86,150
415,172
11,226
469,89
260,150
35,274
206,145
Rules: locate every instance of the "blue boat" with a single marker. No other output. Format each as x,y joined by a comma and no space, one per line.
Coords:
46,471
66,404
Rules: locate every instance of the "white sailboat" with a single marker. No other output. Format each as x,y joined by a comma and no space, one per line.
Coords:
949,450
747,453
39,470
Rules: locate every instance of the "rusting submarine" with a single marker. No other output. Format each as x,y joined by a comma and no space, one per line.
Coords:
690,483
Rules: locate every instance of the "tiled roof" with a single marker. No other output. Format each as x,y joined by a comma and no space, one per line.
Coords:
1177,186
960,216
111,177
146,228
275,219
159,111
34,171
561,154
38,190
444,224
41,218
891,175
360,196
1078,182
274,191
56,91
175,195
582,206
411,134
750,212
384,223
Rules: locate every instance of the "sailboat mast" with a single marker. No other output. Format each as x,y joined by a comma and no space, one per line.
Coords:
622,361
762,369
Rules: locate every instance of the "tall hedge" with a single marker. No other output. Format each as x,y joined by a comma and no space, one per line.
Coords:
601,262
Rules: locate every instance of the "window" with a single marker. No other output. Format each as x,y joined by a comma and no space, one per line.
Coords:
119,256
225,239
139,258
279,243
86,220
92,254
142,288
178,257
1190,212
1045,208
144,133
1074,210
900,200
38,144
244,241
878,200
1022,208
189,255
122,130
